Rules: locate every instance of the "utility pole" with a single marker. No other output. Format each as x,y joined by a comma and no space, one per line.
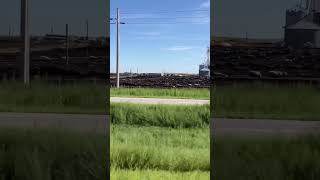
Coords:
87,29
87,38
118,50
10,32
118,23
67,43
24,33
246,36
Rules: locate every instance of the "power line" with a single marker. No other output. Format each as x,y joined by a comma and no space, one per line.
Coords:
167,11
186,17
164,23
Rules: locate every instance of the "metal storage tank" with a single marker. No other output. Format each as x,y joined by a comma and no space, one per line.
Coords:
303,33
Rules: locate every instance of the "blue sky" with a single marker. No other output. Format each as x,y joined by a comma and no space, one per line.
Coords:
161,36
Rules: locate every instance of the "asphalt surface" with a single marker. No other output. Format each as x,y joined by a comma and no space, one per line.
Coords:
265,127
94,123
99,123
159,101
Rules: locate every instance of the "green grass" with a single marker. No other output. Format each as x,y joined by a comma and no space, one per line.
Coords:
160,115
273,158
45,97
51,155
158,175
191,93
299,102
179,150
233,101
159,153
144,151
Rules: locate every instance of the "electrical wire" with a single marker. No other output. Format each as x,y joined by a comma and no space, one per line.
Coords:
155,23
132,19
167,11
190,17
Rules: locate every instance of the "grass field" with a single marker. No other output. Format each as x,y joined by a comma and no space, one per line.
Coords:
51,155
299,102
160,115
45,97
158,175
273,158
202,93
233,101
141,152
158,148
159,142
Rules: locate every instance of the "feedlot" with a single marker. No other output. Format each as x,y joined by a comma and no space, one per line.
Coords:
191,81
85,61
265,62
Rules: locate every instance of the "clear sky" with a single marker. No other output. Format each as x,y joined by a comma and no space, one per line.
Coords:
161,36
259,18
45,14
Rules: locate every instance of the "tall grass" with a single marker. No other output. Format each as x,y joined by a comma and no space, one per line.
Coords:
153,174
178,150
266,158
201,93
46,97
51,155
160,115
192,138
266,101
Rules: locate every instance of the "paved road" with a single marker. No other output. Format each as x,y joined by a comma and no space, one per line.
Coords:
246,127
220,126
97,123
159,101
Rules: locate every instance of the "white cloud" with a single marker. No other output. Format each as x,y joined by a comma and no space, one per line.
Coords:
204,20
205,4
178,48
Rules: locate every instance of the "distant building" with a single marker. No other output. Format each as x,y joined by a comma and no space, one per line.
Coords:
204,69
302,27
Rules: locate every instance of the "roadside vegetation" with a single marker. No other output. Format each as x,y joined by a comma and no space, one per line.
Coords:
160,141
150,174
172,116
261,100
55,98
165,149
51,155
275,158
181,93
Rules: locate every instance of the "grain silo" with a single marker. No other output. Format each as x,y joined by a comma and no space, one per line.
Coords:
302,27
